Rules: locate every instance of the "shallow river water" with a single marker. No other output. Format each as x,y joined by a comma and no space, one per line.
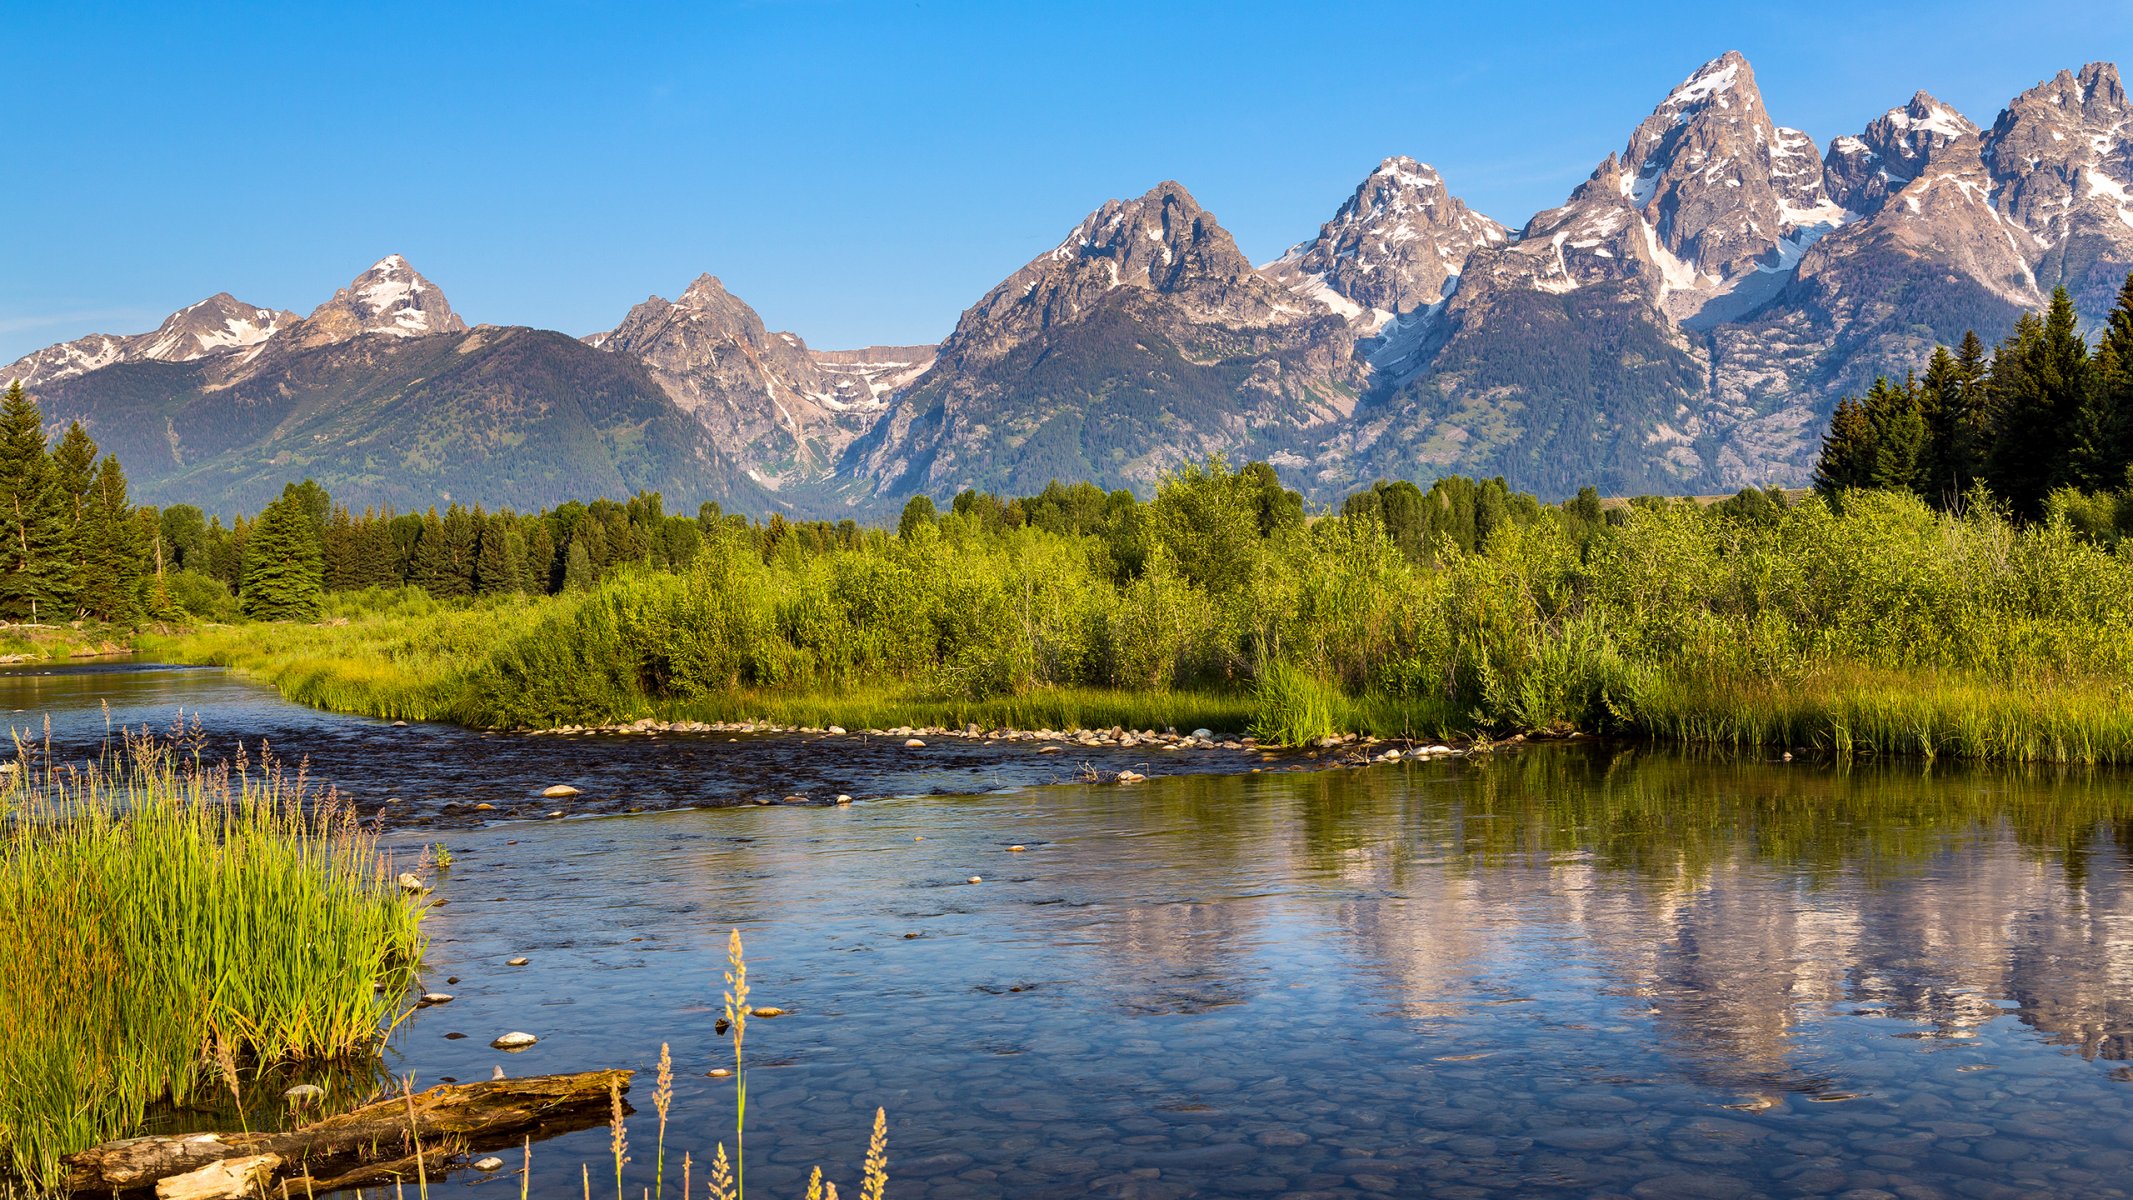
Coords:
1575,971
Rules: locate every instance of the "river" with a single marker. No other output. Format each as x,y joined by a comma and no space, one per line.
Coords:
1565,970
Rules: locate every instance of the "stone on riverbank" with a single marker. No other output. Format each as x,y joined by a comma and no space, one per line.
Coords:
560,791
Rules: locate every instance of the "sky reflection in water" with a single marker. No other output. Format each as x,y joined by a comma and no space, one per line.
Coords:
1563,971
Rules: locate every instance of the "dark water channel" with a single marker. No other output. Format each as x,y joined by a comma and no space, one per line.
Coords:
1568,971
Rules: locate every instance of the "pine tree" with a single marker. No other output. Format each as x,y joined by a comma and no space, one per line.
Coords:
1899,436
1847,459
377,559
429,566
342,550
499,564
577,567
34,571
2114,379
541,576
2024,435
284,570
110,549
1951,400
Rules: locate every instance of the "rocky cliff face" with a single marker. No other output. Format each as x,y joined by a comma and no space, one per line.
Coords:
1862,171
768,401
1142,340
1975,227
1689,316
1396,245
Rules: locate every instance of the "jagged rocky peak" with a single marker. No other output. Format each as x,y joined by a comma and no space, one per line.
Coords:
1722,185
767,400
2063,155
1861,172
1398,244
1707,209
221,323
1161,244
1161,240
391,298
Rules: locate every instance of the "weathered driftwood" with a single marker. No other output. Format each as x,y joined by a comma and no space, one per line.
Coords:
241,1176
463,1113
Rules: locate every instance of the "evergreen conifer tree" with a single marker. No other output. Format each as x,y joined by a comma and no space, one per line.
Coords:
284,568
109,546
577,567
1847,459
1898,436
34,572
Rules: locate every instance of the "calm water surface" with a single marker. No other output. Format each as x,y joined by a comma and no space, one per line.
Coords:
1565,971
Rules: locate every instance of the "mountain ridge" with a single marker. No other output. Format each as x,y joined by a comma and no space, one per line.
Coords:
1684,320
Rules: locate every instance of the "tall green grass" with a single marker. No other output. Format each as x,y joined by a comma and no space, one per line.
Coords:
166,926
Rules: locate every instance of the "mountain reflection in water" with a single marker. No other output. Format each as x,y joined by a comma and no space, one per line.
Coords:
1580,971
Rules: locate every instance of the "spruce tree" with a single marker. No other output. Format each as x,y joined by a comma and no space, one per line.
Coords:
1899,436
284,570
495,572
1847,459
577,567
1951,401
342,552
2114,379
541,573
2024,437
110,549
377,559
34,571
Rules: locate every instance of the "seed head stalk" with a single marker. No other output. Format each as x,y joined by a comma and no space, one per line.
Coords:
663,1100
737,1017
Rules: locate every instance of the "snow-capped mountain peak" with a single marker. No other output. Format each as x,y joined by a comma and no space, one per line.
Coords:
1396,245
219,324
1862,171
391,298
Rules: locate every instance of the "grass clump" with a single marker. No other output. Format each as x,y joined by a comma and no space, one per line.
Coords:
164,924
1293,708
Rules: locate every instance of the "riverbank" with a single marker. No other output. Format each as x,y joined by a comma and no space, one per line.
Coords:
433,667
26,643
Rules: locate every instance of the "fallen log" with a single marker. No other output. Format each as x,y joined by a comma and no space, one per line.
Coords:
241,1176
491,1110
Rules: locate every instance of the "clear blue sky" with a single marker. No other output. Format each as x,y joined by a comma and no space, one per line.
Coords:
858,172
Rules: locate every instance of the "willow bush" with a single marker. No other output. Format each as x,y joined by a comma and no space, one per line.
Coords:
1754,624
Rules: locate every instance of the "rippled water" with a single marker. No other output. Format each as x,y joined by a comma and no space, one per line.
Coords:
1565,971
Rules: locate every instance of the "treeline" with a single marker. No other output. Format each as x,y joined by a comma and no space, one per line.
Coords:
2044,422
280,563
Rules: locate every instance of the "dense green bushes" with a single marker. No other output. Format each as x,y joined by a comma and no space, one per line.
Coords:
1756,623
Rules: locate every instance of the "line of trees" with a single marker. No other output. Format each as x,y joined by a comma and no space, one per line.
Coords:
2042,414
279,564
